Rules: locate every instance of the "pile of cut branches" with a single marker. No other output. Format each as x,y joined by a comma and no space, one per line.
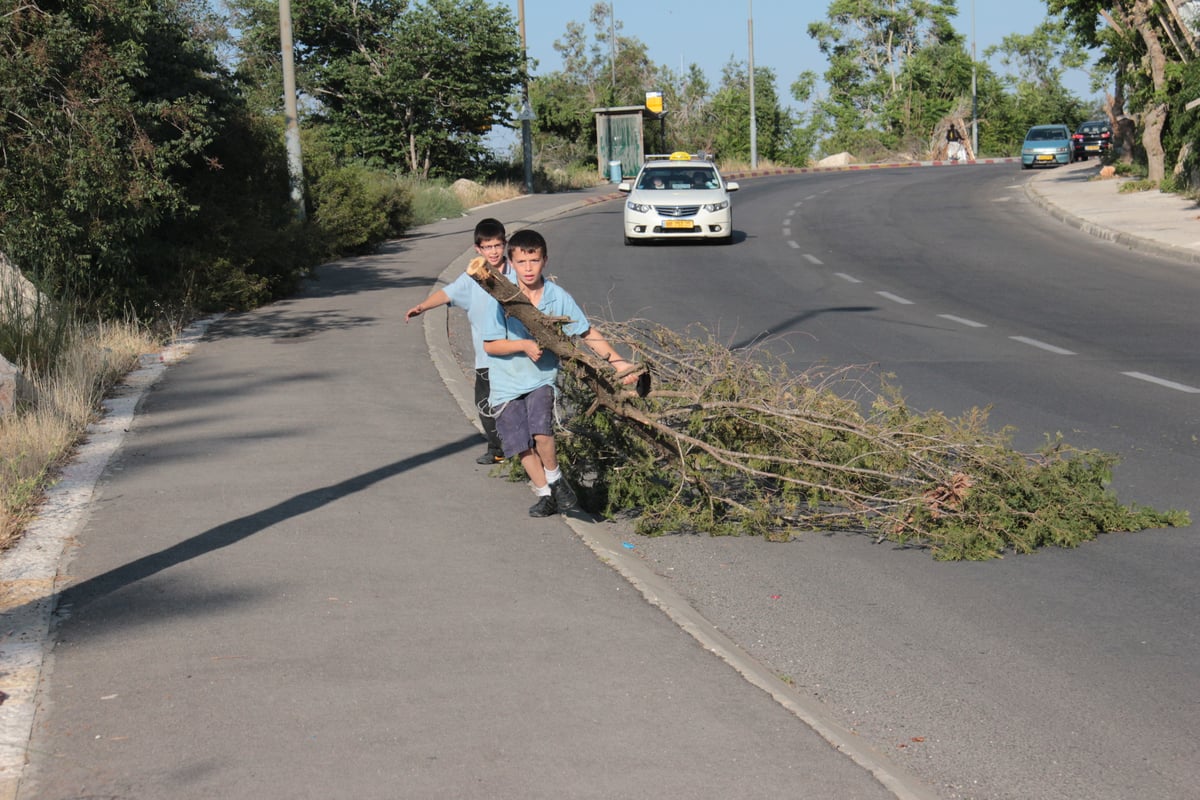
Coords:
731,442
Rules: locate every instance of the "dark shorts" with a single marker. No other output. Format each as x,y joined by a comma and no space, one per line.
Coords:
528,416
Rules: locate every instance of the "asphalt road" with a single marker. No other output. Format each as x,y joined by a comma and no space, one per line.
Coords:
1066,674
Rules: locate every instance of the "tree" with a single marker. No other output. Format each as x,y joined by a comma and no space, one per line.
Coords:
108,112
609,70
400,86
1036,64
688,122
868,44
1145,41
730,114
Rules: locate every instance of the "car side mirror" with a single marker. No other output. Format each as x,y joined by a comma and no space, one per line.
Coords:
624,187
732,186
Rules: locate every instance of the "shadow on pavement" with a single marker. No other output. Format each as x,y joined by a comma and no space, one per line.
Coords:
236,530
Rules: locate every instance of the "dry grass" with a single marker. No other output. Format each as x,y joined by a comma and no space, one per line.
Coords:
54,412
495,192
737,165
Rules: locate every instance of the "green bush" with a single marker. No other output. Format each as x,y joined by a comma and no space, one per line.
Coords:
1143,185
354,208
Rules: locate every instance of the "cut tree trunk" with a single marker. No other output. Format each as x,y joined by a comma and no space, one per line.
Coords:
594,371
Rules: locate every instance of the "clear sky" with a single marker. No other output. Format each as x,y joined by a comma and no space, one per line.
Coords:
710,32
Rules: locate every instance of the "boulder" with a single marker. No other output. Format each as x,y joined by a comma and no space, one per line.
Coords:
467,191
10,377
842,159
17,294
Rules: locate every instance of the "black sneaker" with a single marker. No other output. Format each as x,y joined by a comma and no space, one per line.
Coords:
563,494
544,507
490,457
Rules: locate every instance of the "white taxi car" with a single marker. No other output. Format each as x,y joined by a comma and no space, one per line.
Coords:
681,196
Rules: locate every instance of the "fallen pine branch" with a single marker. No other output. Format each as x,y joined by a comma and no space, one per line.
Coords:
732,442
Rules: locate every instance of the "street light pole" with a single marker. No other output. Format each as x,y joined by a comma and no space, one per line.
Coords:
753,115
974,93
526,111
291,113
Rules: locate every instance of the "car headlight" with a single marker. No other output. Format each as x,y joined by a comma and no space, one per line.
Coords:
1061,150
641,208
716,206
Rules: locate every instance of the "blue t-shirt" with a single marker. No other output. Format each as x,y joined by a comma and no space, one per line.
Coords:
518,374
465,293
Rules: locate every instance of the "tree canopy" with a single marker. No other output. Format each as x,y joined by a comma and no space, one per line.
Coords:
412,86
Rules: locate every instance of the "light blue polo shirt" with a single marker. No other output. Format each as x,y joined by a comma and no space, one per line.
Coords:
465,293
515,375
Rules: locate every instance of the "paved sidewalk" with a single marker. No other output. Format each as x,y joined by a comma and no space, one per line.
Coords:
1148,223
292,581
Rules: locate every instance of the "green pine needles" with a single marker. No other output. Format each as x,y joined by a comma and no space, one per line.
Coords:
730,442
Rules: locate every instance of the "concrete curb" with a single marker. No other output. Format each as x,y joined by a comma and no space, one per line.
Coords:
1130,241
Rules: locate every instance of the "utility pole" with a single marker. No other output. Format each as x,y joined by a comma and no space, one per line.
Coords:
974,93
612,49
526,114
753,115
291,113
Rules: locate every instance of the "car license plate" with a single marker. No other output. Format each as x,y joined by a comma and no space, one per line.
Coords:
1045,158
672,224
1092,147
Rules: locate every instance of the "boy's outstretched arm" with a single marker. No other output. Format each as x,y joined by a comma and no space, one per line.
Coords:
602,348
438,298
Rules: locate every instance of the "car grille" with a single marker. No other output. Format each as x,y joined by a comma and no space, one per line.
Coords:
677,211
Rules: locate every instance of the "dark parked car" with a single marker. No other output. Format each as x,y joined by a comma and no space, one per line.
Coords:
1091,139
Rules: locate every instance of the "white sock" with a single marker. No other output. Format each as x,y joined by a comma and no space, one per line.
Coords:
553,475
542,491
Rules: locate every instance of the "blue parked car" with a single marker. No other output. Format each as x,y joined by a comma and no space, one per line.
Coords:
1046,146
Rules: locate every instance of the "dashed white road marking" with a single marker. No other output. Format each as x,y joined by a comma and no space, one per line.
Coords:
1179,387
895,298
970,323
791,212
1043,346
813,258
787,231
1001,199
848,278
792,243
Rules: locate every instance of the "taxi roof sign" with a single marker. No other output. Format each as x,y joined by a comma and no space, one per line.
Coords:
680,155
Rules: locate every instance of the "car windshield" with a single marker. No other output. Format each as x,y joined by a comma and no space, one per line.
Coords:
1045,135
689,178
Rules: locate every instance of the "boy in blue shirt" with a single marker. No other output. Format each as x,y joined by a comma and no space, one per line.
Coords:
522,374
463,292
